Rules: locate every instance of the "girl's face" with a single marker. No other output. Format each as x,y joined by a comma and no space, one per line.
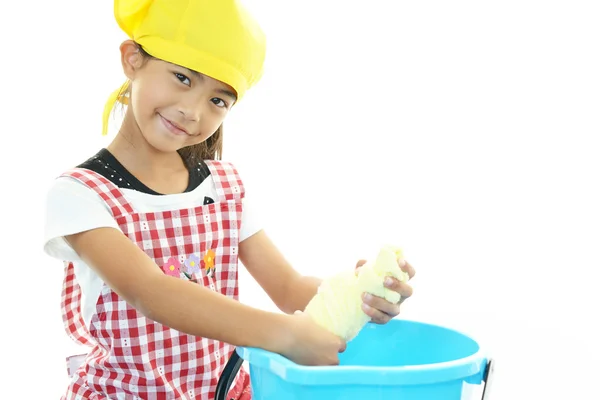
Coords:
173,106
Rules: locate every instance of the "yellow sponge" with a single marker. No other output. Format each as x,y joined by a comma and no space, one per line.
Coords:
337,304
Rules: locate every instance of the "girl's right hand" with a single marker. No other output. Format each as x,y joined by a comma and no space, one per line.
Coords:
310,344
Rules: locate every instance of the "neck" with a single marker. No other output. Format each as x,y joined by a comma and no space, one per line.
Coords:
138,156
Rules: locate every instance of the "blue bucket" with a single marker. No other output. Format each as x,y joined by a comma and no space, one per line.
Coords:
402,359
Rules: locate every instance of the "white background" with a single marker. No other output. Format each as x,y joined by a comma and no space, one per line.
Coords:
464,131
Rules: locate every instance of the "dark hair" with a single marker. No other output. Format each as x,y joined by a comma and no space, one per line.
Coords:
210,149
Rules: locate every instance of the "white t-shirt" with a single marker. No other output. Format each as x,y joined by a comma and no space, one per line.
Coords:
72,207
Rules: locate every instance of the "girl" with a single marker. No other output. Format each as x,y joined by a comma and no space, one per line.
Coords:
152,226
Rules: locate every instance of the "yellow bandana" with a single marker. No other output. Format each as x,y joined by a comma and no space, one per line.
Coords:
218,38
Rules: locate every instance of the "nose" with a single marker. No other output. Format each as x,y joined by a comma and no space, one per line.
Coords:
189,115
191,108
192,114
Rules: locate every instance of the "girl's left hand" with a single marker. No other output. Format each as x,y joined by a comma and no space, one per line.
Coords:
380,310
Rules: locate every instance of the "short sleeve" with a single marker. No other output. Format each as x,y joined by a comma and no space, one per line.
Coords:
72,208
250,220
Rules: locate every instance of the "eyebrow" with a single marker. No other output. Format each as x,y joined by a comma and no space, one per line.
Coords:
225,92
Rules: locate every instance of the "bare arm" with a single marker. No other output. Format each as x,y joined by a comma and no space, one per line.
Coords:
181,305
289,290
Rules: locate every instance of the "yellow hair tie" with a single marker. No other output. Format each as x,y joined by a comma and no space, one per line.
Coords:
117,95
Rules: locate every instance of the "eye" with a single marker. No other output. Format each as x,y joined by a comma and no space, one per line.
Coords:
218,102
182,78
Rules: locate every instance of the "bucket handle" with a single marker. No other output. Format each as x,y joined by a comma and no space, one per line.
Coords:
228,375
235,362
487,379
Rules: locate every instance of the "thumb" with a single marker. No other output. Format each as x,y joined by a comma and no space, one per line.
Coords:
342,346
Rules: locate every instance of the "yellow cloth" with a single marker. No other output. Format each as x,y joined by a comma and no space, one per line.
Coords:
218,38
337,304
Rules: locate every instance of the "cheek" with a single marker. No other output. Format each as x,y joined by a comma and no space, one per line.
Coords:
209,125
212,125
141,104
146,99
200,138
207,131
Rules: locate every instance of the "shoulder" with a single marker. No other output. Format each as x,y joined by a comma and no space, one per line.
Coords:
80,191
73,183
71,207
83,187
76,189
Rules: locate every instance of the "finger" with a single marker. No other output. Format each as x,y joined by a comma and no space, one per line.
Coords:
403,288
406,267
381,304
377,316
342,346
329,361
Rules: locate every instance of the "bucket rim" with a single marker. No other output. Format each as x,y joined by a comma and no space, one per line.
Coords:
472,366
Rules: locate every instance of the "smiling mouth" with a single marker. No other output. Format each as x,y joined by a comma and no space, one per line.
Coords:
172,127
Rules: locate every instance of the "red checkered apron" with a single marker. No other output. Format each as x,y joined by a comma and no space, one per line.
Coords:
133,357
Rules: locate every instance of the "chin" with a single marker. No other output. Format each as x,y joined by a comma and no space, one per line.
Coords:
164,144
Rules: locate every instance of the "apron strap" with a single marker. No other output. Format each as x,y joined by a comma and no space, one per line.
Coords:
108,191
228,183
